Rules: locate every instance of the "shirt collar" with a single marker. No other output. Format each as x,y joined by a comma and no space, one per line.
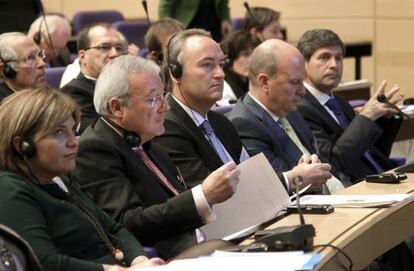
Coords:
274,117
197,118
319,95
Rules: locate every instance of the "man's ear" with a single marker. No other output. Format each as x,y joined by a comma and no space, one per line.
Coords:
115,107
17,140
263,82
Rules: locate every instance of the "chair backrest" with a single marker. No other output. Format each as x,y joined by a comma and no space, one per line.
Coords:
237,23
84,18
54,75
133,31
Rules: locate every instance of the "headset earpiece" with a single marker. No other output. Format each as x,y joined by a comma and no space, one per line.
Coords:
7,70
133,139
27,148
175,67
37,38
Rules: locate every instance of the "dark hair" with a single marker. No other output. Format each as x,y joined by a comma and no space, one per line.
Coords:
84,41
262,17
237,42
315,39
161,27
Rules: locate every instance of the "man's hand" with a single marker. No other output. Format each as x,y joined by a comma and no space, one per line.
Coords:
221,184
374,109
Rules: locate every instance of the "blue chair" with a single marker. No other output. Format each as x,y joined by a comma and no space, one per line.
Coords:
133,31
237,23
54,75
84,18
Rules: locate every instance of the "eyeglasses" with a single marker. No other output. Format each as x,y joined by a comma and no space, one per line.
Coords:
31,58
106,47
156,101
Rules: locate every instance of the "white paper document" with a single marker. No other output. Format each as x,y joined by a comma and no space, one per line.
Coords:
259,197
354,201
281,261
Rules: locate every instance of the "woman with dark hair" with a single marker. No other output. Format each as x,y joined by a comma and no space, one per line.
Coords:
63,226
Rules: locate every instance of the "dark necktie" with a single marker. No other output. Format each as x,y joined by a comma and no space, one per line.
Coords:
153,167
334,106
214,141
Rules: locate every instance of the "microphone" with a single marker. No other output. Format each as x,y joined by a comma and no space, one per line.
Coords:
297,181
383,99
145,6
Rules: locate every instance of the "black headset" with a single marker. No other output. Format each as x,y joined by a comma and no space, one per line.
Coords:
8,71
27,148
133,139
175,67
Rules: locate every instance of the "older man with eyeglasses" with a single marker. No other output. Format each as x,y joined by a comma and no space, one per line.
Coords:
97,45
21,64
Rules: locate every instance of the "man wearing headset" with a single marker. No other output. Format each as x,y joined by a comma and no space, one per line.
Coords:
21,64
134,180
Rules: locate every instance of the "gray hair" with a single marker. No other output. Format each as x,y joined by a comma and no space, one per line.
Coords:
113,81
174,51
263,60
7,51
53,23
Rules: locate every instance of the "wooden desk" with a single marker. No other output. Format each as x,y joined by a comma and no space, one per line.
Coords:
362,233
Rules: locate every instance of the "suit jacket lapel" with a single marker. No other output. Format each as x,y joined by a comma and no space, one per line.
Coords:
142,168
282,140
196,132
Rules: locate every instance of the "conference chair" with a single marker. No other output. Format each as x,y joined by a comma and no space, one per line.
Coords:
84,18
54,75
133,31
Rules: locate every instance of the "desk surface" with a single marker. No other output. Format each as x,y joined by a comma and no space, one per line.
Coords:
362,233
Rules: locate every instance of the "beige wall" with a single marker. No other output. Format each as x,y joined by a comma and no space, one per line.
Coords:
386,23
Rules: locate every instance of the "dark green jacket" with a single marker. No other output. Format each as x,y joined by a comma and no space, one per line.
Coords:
184,10
61,237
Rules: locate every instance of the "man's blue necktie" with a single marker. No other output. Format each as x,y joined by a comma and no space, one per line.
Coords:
334,106
214,141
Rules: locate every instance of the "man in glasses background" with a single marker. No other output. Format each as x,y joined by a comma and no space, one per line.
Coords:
21,64
97,45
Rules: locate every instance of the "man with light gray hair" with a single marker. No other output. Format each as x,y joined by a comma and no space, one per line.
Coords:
51,33
135,181
21,64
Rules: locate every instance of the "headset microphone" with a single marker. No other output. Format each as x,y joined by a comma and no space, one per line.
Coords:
8,70
253,18
145,6
383,99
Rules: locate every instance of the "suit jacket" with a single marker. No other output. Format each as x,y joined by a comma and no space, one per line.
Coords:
346,148
121,184
260,133
5,91
189,148
82,89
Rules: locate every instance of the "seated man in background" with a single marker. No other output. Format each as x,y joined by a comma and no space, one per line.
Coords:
131,178
21,64
238,47
357,144
157,37
197,139
97,45
267,121
264,23
51,34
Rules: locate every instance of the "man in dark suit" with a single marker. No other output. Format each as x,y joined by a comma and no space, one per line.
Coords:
358,144
267,121
97,45
21,64
198,140
133,179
